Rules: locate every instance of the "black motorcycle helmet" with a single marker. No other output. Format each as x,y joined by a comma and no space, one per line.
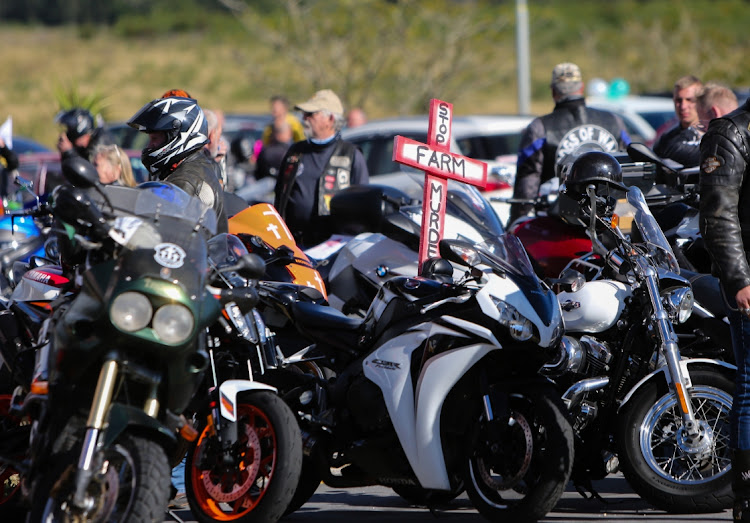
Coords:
185,126
597,168
594,168
242,148
77,122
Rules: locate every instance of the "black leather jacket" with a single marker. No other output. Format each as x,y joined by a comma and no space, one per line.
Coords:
725,198
552,136
198,176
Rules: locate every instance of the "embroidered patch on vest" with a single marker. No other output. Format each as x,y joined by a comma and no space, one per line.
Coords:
340,161
710,164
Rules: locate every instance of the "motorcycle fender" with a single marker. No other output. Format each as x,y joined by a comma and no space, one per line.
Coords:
123,416
685,364
228,392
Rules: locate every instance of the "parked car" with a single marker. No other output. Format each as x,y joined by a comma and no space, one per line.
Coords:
643,115
493,139
23,145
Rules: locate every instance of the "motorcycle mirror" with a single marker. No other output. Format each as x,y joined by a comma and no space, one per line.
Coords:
570,280
460,252
252,266
80,172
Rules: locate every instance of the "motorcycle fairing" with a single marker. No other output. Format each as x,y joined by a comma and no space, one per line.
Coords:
507,290
417,423
263,220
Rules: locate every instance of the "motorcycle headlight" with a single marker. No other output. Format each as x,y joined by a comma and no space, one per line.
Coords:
520,328
130,311
679,303
173,323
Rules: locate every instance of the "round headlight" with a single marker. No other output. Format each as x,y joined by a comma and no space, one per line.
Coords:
520,328
130,311
681,303
173,323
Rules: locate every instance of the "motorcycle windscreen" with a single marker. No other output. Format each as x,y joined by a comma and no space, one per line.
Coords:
652,235
473,218
263,220
507,256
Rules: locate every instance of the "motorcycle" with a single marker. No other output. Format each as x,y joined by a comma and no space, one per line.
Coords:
635,402
118,360
437,389
245,463
670,191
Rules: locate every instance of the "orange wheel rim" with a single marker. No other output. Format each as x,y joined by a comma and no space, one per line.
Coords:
227,495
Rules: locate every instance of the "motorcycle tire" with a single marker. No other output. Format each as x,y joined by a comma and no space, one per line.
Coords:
309,481
523,476
259,486
654,463
138,473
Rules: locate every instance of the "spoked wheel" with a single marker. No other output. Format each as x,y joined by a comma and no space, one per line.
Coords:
14,433
132,484
518,471
255,480
665,467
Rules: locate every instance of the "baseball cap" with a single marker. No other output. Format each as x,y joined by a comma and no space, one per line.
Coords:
566,78
324,100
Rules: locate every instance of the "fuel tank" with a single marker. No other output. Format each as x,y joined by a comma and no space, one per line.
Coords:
595,307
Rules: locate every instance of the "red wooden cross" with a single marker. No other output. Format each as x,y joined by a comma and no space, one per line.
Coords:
439,165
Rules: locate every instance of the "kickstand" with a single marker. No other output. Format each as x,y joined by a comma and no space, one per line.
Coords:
587,491
175,516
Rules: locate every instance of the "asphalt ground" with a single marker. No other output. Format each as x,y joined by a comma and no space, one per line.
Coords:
380,504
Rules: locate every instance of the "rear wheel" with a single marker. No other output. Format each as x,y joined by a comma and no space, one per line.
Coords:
517,470
255,479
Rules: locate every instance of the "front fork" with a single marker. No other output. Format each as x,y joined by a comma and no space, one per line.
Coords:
97,422
678,380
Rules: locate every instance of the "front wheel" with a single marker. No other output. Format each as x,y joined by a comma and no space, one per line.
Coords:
255,479
131,485
658,461
517,470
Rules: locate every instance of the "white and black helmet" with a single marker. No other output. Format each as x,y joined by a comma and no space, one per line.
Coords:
185,125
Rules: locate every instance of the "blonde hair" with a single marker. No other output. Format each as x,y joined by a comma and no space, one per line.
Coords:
117,156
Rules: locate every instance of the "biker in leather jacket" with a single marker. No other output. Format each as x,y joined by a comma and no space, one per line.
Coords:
725,226
549,138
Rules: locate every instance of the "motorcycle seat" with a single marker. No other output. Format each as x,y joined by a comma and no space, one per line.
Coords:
328,325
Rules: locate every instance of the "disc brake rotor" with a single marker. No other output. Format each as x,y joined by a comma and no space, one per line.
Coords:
505,481
243,477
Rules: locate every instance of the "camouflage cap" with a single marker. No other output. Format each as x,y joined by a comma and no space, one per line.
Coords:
566,78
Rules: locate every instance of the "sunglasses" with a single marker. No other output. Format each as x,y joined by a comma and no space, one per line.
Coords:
309,115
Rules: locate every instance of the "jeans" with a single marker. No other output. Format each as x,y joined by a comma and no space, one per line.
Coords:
740,419
178,477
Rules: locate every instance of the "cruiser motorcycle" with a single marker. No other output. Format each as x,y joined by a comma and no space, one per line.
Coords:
437,390
635,402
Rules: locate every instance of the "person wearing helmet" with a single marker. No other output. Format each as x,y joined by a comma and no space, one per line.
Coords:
597,168
178,131
551,137
80,133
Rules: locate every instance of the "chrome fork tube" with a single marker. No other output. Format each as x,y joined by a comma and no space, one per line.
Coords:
96,422
671,352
